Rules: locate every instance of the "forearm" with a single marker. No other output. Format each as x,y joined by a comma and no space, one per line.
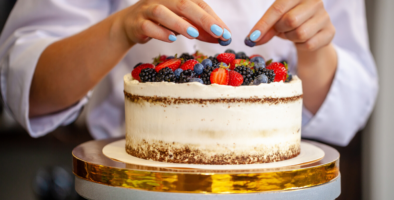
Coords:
69,68
316,70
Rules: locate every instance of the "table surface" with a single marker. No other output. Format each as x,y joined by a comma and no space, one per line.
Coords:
91,166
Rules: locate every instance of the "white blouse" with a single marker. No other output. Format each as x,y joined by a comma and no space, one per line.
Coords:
35,24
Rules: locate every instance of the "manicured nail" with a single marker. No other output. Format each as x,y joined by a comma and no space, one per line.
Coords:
225,43
256,34
216,30
226,34
192,32
172,38
249,42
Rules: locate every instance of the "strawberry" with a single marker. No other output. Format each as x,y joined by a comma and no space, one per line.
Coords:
219,76
255,55
226,57
235,78
236,62
280,71
173,64
189,65
137,70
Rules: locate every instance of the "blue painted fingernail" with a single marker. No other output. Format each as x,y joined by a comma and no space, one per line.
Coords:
249,42
172,38
256,34
192,32
226,34
216,30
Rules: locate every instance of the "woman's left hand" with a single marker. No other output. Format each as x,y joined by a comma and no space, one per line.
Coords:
304,22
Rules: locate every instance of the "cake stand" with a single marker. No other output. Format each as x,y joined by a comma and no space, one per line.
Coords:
98,177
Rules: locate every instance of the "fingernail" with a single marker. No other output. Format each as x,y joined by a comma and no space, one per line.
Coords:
249,42
172,38
225,43
192,32
226,34
256,34
216,30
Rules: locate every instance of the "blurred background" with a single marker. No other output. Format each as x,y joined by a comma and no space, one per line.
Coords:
41,168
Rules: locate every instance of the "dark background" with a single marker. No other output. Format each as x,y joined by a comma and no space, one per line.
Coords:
24,160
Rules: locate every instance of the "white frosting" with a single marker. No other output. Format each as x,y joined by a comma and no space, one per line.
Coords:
215,128
214,91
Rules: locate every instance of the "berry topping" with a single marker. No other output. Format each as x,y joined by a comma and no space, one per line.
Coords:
189,64
267,72
165,74
289,77
241,55
256,55
196,80
238,62
214,60
220,76
206,74
246,73
198,68
207,62
229,51
260,79
173,64
185,57
186,75
257,59
178,72
280,71
225,43
235,78
159,59
137,70
199,56
148,75
226,57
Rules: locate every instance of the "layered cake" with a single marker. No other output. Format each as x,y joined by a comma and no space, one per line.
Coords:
232,119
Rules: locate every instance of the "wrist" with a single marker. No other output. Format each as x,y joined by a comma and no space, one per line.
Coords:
118,33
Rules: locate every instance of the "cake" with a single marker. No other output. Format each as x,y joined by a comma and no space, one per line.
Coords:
217,124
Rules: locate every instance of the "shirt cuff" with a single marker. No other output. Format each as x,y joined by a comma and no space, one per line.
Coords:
347,106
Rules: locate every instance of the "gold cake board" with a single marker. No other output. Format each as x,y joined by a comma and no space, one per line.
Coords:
90,164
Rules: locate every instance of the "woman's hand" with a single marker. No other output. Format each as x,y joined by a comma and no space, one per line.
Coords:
164,19
304,22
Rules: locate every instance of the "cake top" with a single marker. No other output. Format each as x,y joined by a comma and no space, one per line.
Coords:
228,68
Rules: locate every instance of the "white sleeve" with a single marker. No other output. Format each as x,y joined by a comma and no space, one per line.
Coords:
354,89
31,27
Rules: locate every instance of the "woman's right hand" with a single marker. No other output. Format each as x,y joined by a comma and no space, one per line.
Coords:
164,19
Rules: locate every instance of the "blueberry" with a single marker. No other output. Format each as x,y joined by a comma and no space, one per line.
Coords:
225,43
229,51
249,42
240,55
289,77
198,68
170,57
207,63
257,59
260,79
196,80
259,65
178,72
222,64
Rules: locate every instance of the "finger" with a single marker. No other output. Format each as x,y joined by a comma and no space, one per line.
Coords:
197,15
273,14
226,31
268,36
297,16
204,36
153,30
172,21
309,28
321,39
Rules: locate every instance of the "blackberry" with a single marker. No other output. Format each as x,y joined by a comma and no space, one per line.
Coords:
185,57
206,74
165,74
148,75
186,76
268,72
246,73
215,61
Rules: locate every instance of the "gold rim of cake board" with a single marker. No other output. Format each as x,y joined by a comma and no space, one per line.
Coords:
89,163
